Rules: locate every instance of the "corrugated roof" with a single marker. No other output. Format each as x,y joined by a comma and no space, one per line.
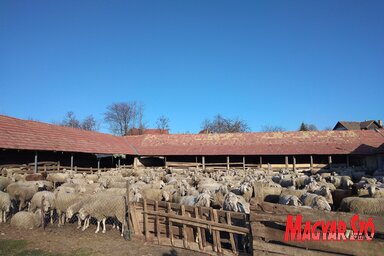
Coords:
24,134
31,135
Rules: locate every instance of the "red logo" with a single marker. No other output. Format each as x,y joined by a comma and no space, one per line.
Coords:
329,230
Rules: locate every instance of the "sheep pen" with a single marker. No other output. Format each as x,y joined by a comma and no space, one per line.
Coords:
219,225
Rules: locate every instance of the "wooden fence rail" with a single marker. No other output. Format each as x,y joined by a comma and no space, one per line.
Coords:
196,228
268,223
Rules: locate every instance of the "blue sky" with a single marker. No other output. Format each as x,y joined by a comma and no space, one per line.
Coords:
266,62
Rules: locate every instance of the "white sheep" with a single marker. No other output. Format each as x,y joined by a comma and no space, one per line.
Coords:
5,206
26,220
376,191
235,203
369,206
290,200
22,192
49,203
102,207
203,199
315,202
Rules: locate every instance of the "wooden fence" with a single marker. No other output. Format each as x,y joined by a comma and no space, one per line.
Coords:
268,222
195,228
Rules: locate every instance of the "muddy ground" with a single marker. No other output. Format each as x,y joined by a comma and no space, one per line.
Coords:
67,240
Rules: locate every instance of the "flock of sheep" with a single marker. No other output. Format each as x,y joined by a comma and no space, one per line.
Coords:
101,196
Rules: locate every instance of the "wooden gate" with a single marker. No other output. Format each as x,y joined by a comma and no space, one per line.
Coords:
196,228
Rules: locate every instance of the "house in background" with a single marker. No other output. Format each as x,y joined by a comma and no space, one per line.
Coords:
366,125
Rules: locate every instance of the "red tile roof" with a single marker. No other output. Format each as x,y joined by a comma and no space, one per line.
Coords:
21,134
274,143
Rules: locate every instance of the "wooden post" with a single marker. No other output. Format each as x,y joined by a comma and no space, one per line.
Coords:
118,162
128,215
35,166
98,164
146,228
185,238
157,222
75,168
294,163
261,161
231,239
58,166
243,163
286,162
203,161
330,161
203,239
165,162
170,224
197,165
311,161
218,239
199,238
347,160
228,162
214,239
71,161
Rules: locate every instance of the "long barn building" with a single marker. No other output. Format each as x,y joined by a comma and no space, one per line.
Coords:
25,141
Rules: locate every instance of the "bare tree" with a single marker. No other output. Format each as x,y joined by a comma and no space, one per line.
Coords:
272,128
163,123
307,127
89,123
70,120
220,124
124,116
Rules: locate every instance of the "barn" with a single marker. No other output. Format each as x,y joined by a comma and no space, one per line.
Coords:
32,142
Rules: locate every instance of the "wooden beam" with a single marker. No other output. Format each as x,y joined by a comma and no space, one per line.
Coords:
98,164
35,166
330,161
71,161
286,162
228,162
243,163
261,161
203,161
311,161
294,163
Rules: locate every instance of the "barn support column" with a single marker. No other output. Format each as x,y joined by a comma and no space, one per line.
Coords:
135,161
118,162
311,161
35,166
71,162
203,161
197,163
165,162
294,163
243,163
228,162
58,166
98,164
261,161
347,158
286,162
330,161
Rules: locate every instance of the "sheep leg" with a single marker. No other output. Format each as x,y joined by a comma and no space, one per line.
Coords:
98,226
59,216
2,216
79,221
104,229
51,217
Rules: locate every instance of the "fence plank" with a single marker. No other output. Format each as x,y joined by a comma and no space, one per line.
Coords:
232,240
218,239
157,223
170,224
203,238
185,238
199,230
146,228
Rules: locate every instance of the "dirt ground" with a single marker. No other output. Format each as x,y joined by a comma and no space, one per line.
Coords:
68,239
